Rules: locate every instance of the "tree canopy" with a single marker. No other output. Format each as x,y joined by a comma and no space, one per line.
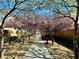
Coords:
53,8
43,7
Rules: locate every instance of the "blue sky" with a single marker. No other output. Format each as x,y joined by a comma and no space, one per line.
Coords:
4,4
45,11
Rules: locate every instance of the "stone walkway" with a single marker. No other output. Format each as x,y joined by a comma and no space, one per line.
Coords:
37,50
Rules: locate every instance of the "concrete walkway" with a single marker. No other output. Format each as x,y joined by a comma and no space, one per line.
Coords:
37,50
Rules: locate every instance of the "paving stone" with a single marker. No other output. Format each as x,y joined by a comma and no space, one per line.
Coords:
37,51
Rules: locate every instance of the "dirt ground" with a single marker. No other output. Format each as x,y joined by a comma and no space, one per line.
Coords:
60,52
16,50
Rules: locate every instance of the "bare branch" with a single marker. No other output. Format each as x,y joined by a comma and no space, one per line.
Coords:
66,4
66,7
20,2
65,15
16,3
57,11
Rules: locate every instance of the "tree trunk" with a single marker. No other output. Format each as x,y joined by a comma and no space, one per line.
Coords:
75,42
0,48
1,38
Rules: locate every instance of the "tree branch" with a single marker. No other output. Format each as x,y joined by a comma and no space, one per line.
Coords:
16,3
57,11
67,5
65,15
